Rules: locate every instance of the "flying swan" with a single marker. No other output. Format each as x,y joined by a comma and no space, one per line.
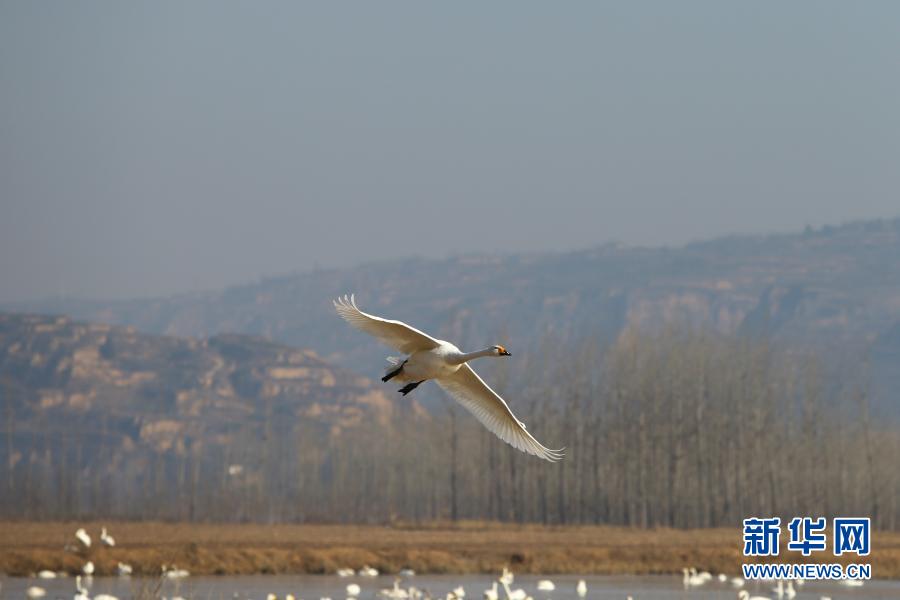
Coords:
428,358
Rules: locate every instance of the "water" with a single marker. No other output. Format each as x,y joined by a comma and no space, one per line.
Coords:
314,587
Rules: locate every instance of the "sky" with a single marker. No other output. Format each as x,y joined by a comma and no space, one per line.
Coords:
166,147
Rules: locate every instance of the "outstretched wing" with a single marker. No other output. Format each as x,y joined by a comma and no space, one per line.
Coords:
472,392
396,334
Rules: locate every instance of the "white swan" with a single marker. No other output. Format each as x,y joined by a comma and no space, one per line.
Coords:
491,594
107,539
737,582
123,569
429,358
745,595
395,593
45,574
346,572
545,585
35,592
692,578
353,590
368,571
88,568
581,588
81,592
507,577
83,537
851,582
517,594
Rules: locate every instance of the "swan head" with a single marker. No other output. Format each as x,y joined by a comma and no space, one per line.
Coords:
500,350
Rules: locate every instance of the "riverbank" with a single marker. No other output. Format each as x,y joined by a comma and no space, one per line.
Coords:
28,547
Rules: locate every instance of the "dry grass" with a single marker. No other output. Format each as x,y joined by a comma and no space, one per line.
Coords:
27,547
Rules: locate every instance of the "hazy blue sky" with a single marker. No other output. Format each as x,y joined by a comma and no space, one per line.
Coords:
166,147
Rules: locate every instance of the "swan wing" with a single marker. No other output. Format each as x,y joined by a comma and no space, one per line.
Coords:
478,398
396,334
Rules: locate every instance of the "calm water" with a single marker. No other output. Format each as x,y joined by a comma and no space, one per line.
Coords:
314,587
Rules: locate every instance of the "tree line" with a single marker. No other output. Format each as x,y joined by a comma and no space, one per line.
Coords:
676,427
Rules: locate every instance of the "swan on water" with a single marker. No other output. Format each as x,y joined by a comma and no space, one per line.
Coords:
491,594
81,591
429,358
88,568
35,592
353,589
545,585
517,594
395,593
581,588
692,578
745,595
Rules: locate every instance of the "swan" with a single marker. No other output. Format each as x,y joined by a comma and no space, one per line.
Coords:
545,585
406,573
105,597
123,569
507,577
790,592
459,592
88,568
851,582
491,594
745,595
692,578
722,577
429,358
395,593
517,594
345,572
81,591
107,539
35,592
174,572
45,574
581,588
368,571
83,537
737,582
353,589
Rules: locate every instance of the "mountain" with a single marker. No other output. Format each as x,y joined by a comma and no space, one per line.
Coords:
835,289
161,390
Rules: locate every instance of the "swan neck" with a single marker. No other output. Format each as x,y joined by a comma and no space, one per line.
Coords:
465,357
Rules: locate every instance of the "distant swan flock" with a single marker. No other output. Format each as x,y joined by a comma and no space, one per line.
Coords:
428,358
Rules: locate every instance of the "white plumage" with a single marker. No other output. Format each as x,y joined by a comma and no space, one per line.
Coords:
107,539
429,358
83,537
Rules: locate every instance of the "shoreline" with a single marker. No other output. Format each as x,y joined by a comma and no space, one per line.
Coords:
427,548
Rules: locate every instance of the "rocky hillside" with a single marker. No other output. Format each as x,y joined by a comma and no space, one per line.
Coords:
161,391
836,289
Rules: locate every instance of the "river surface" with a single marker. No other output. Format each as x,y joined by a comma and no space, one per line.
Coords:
315,587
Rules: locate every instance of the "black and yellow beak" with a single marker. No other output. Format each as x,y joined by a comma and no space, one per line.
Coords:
502,351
